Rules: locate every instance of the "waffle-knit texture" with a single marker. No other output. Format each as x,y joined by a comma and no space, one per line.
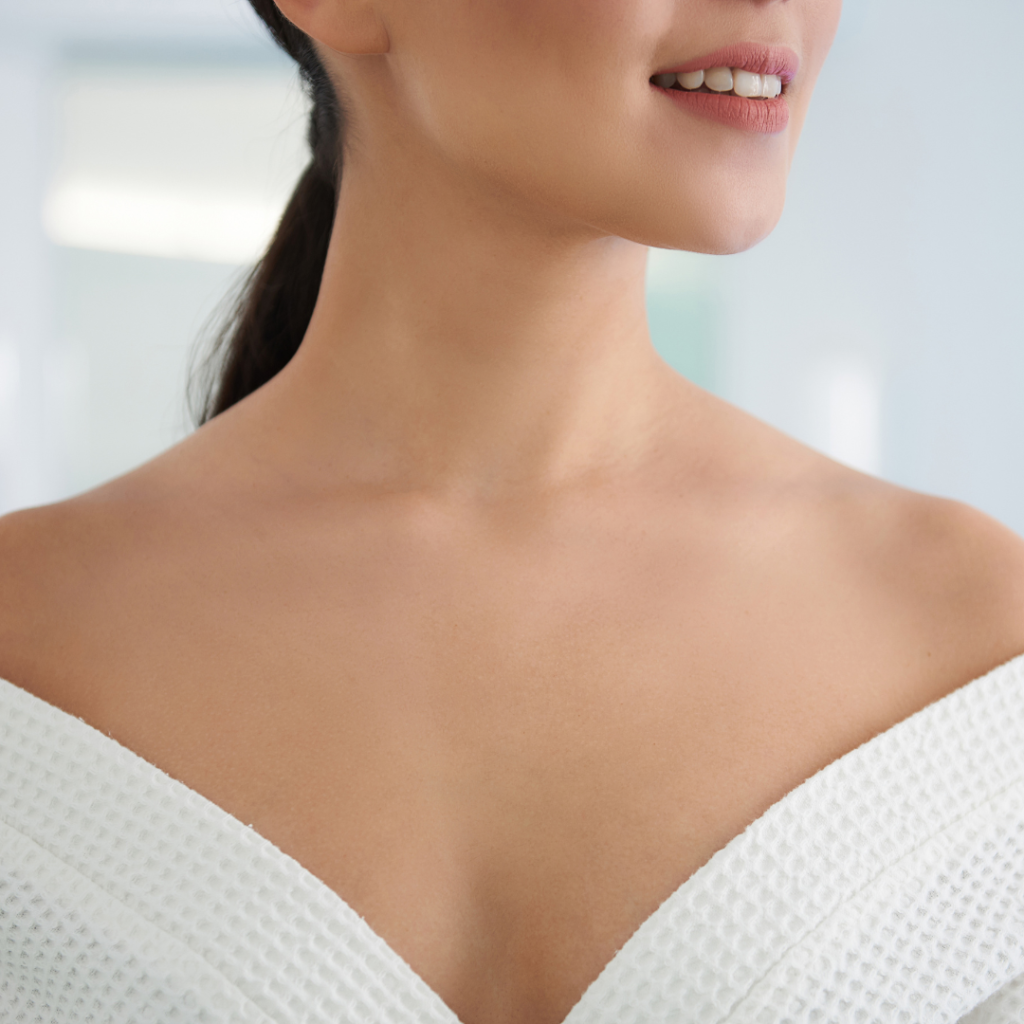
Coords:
889,887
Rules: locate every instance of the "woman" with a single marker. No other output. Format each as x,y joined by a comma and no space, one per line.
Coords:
497,672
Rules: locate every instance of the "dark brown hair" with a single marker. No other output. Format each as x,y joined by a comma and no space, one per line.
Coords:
276,301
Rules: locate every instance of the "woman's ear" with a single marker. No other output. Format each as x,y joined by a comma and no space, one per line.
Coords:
346,26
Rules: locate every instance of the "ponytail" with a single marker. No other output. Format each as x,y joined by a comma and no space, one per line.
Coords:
275,305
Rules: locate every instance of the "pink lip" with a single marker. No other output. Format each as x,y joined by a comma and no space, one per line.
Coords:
758,58
765,117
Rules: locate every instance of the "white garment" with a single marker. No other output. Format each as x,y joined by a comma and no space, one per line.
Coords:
887,887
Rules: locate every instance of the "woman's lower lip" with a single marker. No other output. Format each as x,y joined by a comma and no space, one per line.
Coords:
766,117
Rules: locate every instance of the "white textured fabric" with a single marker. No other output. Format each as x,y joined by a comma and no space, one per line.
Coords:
889,887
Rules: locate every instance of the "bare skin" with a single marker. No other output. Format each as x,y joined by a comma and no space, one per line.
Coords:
491,621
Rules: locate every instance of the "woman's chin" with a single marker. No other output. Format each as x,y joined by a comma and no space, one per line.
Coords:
717,235
739,239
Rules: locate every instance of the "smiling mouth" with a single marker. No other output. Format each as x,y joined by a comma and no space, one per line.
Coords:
723,81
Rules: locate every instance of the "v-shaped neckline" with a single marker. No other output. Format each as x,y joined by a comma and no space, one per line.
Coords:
581,1010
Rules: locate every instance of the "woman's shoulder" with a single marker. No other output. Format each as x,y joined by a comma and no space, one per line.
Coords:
62,553
950,576
68,568
938,546
47,560
950,570
75,572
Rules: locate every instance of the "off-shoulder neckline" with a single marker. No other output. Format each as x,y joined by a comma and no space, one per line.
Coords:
442,1014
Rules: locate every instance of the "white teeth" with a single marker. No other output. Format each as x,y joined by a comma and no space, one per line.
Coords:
718,79
736,80
746,84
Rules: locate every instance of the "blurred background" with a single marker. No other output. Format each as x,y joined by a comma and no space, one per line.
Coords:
148,146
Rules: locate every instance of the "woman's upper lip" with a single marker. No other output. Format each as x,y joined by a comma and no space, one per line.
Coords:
759,58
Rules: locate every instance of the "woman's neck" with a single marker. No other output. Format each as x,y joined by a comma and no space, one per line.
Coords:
463,343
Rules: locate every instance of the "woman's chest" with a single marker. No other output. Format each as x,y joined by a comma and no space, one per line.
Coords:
505,772
503,806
